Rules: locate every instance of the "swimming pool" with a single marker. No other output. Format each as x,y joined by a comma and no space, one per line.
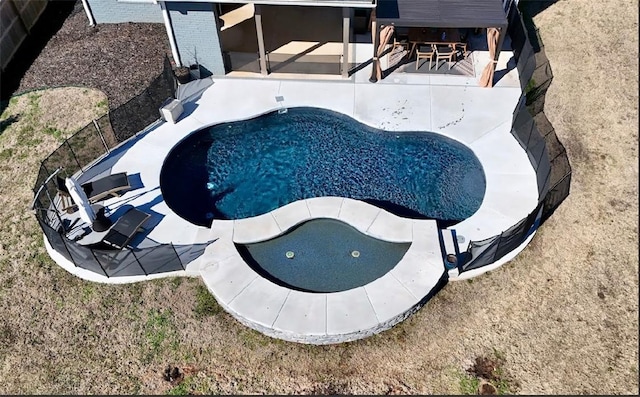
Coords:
322,255
248,168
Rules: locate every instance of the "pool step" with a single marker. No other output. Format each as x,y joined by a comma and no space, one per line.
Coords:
449,242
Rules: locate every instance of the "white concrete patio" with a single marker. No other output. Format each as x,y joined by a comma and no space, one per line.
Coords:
450,105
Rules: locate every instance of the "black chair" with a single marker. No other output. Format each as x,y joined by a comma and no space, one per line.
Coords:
102,188
109,186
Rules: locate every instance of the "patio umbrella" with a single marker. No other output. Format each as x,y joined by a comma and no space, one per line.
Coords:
486,80
80,198
385,35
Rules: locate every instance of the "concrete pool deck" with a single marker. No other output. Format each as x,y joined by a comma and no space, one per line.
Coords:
453,106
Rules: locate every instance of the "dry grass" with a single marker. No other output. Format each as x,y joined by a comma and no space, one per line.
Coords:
562,318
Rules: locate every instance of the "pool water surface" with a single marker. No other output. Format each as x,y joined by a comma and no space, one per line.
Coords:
322,255
248,168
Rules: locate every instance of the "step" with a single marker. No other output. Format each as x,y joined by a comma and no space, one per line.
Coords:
449,241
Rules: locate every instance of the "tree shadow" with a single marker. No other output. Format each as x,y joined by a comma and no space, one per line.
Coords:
529,9
49,23
4,124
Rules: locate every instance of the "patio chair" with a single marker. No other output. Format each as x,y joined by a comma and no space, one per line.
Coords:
446,52
461,50
425,52
402,42
66,202
106,187
125,228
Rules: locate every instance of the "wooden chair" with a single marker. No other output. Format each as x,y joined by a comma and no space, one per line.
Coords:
401,39
446,52
400,42
425,52
461,50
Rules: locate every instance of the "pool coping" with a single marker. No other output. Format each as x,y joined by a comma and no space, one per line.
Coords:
321,318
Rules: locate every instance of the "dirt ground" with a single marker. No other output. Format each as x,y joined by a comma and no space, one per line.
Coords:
118,59
561,318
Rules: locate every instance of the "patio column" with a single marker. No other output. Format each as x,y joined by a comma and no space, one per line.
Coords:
263,56
503,33
172,38
346,17
376,43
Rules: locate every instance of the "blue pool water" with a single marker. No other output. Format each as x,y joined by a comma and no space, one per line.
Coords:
325,255
248,168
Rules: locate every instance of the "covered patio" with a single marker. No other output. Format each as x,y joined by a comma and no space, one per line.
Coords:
430,31
281,36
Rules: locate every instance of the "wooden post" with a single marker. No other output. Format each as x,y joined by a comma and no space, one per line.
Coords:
263,55
376,42
346,17
502,34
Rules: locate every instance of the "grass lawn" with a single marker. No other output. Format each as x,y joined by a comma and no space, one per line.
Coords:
561,318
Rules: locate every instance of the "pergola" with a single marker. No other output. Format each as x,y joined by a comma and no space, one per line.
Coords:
444,14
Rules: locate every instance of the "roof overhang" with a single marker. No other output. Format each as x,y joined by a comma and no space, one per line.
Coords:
442,13
316,3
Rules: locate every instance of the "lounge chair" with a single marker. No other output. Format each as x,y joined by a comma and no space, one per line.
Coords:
125,228
111,185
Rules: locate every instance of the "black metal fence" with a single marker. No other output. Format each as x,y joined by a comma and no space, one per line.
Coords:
77,153
537,136
530,127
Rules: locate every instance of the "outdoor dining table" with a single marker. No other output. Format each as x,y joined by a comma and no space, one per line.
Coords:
429,36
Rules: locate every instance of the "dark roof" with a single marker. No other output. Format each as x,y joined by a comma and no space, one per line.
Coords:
441,13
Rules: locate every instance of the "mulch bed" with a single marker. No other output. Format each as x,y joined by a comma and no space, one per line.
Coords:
118,59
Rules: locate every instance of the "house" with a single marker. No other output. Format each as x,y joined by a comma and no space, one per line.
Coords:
290,36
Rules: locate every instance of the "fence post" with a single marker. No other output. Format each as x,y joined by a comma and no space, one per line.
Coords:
104,142
66,248
177,256
46,171
53,204
99,263
497,247
543,151
73,154
139,263
524,109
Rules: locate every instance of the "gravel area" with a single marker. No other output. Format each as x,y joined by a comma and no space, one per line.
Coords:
118,59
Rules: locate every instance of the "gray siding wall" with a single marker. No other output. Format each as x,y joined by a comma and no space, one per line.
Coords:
114,11
196,34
